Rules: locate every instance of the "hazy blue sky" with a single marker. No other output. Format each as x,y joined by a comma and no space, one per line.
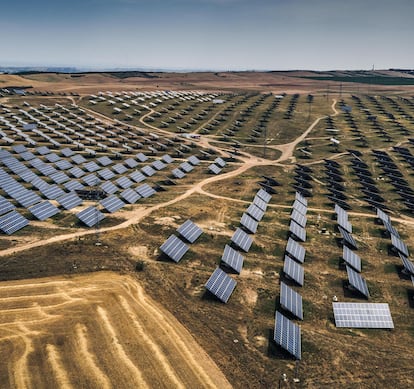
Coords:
208,34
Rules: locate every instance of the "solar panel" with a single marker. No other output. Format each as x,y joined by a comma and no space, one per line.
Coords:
260,203
124,182
69,200
362,315
112,203
46,170
52,192
119,168
90,216
287,335
130,196
5,206
255,212
351,259
383,216
266,197
26,198
43,150
91,166
186,167
19,149
131,163
193,160
232,259
357,281
167,159
293,270
137,176
73,185
109,187
220,285
190,231
298,218
106,174
297,232
158,165
174,248
43,210
399,245
78,159
63,164
52,157
145,191
295,250
348,239
27,156
76,172
67,152
104,161
141,157
214,168
242,240
148,171
249,223
408,265
12,222
91,180
220,162
59,177
291,300
39,183
177,173
299,207
342,221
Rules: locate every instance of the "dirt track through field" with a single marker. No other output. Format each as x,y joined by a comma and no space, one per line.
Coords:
98,331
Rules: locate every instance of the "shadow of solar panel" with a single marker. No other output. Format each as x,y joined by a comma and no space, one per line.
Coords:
91,180
12,222
255,212
295,250
399,245
220,162
69,200
220,285
266,197
177,173
159,165
76,172
190,231
287,335
78,159
214,169
249,223
242,240
232,259
298,218
297,232
141,157
186,167
258,202
73,185
131,163
63,165
112,203
193,160
348,239
90,216
59,177
351,258
109,187
293,270
137,176
5,206
174,248
119,168
124,182
130,196
362,315
167,159
91,166
145,191
291,301
104,161
43,210
408,265
357,281
148,171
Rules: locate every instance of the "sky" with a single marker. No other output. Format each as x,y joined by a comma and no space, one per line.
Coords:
208,34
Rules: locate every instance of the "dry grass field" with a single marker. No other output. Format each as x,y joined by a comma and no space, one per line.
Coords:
76,314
